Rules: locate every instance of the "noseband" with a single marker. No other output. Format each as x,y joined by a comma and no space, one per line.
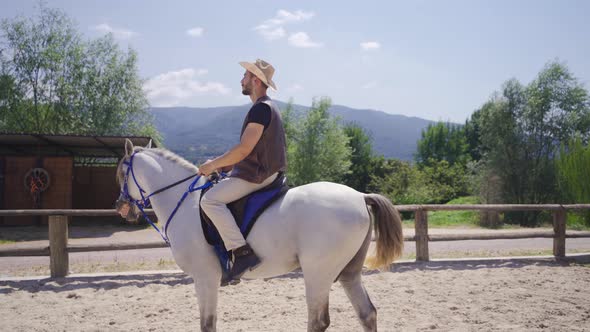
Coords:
142,203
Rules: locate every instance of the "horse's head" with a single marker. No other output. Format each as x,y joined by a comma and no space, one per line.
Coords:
130,191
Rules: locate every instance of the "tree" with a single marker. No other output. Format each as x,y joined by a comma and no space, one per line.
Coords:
472,133
573,167
362,153
448,180
442,141
317,146
391,177
407,183
521,129
54,82
291,125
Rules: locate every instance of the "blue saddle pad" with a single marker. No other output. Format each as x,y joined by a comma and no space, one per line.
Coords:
246,210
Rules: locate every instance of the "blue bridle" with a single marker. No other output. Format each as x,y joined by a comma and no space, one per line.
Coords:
144,202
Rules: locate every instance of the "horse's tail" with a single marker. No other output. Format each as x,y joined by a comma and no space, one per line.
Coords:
388,231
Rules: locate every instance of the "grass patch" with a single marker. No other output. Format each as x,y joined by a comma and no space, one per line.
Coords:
3,241
450,219
470,219
575,221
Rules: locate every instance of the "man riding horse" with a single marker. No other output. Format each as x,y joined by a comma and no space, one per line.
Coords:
255,163
323,228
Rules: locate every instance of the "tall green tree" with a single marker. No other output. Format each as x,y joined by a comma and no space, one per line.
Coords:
573,168
472,136
442,141
317,146
521,129
500,137
361,155
54,82
291,123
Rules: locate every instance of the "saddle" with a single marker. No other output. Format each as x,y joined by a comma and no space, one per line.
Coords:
245,210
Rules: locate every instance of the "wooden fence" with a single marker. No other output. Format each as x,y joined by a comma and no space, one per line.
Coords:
58,249
559,225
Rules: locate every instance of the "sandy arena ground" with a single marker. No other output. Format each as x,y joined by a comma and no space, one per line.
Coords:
483,296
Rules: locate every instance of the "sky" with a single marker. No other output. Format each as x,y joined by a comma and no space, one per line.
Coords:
437,60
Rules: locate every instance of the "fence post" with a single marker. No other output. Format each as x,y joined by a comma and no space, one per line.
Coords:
421,226
559,221
58,246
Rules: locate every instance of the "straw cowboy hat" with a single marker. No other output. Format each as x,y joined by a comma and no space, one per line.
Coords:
263,70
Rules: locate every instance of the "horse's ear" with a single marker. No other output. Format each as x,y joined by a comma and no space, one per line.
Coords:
149,145
128,147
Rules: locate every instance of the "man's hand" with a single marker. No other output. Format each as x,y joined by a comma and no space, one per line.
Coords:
207,168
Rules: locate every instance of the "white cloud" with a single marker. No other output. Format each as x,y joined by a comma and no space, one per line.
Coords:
118,33
271,34
177,87
272,29
195,32
369,85
301,39
370,45
284,16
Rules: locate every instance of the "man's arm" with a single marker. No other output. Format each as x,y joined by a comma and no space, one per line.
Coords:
249,139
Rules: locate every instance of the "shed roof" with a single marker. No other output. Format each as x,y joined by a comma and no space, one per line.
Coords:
67,145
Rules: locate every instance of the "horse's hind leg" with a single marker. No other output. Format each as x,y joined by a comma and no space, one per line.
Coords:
317,295
350,278
361,302
318,274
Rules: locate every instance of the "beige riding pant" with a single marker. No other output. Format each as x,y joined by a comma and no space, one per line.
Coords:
214,205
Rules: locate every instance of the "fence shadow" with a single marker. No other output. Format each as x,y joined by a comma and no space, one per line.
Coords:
76,231
70,284
491,263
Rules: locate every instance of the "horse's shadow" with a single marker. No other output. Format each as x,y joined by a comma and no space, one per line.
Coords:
71,284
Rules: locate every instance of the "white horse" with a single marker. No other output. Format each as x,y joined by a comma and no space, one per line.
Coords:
323,228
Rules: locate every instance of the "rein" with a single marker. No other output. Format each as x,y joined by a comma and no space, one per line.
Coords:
144,202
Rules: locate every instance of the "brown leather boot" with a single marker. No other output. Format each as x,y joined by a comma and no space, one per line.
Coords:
244,260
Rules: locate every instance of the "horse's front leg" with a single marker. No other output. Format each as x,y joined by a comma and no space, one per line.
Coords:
207,292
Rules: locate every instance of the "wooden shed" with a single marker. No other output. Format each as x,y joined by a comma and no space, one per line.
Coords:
59,172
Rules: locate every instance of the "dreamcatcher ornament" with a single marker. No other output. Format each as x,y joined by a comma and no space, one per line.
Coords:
37,180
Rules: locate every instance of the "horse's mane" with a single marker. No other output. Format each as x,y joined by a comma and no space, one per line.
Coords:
168,155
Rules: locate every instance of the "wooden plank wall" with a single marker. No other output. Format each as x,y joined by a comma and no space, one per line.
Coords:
16,196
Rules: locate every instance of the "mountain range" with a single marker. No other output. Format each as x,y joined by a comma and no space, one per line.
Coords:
201,133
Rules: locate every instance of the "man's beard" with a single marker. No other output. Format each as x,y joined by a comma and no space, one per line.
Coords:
246,91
